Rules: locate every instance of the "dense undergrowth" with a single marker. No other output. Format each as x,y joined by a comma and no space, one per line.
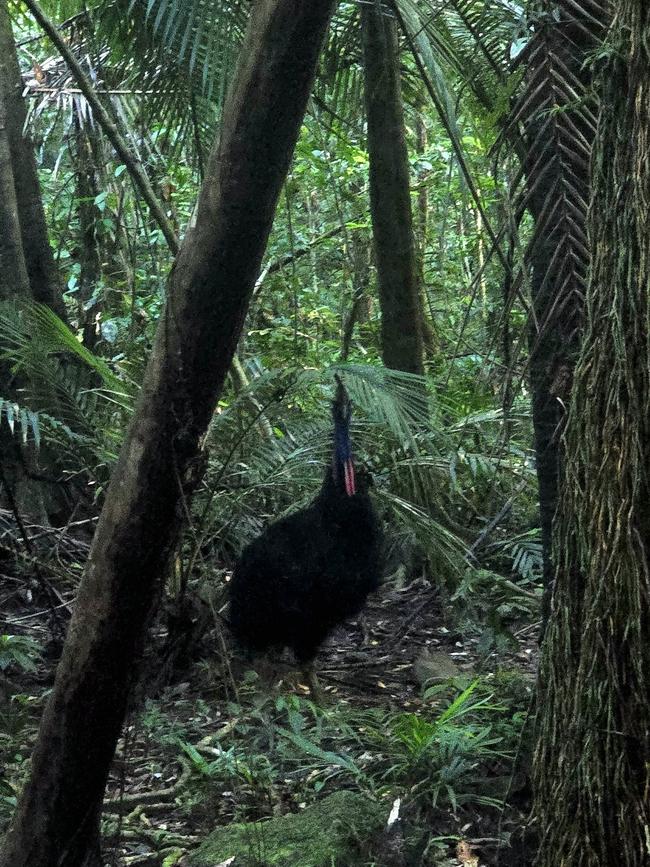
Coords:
217,748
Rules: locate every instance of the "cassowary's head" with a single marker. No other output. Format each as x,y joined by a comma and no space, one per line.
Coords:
342,465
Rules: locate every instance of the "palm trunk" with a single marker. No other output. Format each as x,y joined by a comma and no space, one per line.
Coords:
390,196
592,766
559,131
160,461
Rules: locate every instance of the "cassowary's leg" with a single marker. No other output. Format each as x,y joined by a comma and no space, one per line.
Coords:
267,670
309,674
366,633
265,664
305,652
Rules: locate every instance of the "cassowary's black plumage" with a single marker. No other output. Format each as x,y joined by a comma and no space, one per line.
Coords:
308,572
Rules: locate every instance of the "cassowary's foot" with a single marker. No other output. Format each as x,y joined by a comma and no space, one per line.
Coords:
269,670
317,694
365,630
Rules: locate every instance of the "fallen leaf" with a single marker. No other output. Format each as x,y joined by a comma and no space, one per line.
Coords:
465,854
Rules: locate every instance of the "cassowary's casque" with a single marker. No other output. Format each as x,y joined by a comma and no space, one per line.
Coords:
308,572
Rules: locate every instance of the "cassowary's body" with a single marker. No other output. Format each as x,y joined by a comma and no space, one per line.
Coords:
308,572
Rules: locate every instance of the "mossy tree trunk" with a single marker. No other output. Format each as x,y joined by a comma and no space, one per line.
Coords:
390,195
56,822
592,764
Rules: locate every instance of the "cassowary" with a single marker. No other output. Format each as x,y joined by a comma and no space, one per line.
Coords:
310,571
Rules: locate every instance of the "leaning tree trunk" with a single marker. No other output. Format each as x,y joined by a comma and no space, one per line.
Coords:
210,287
41,269
390,196
558,122
592,766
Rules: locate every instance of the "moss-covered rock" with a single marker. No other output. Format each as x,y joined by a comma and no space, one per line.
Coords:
326,834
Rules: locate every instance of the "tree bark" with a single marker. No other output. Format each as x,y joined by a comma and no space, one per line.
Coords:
390,196
41,270
558,132
21,492
160,461
14,282
592,765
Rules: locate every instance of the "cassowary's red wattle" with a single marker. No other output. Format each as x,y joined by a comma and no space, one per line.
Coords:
348,472
308,572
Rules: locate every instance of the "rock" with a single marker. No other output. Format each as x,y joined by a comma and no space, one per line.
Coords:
325,834
435,666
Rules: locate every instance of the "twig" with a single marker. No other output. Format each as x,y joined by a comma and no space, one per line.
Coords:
401,632
485,532
10,621
121,803
44,583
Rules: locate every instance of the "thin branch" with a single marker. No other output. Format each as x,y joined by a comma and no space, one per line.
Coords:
50,594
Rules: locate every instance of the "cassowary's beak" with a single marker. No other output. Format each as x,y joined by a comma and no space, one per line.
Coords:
348,475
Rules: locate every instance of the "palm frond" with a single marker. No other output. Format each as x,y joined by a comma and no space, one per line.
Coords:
253,479
444,551
389,398
73,393
31,331
469,38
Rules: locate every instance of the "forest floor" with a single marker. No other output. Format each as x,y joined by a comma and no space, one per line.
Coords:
207,748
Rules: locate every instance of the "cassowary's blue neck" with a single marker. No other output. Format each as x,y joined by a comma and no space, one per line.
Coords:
342,465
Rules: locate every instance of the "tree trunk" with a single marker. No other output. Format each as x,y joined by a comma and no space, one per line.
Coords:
160,461
21,492
87,248
390,197
27,269
430,341
558,130
592,766
41,270
14,282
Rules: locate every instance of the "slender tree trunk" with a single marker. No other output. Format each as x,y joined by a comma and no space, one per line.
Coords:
559,127
429,338
592,766
41,270
87,251
14,282
160,461
390,197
